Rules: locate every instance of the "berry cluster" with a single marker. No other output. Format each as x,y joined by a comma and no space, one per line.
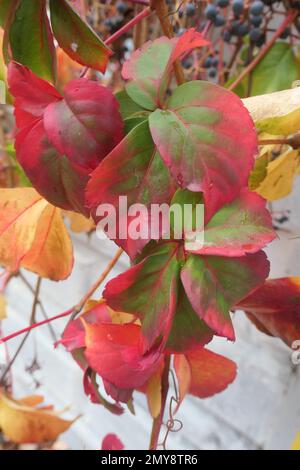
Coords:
241,19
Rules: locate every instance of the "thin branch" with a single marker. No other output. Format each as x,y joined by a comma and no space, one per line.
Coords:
157,422
32,320
288,20
139,17
73,310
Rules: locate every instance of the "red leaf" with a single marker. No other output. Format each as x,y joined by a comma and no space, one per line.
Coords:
86,124
115,353
32,94
275,308
62,140
53,175
112,442
210,373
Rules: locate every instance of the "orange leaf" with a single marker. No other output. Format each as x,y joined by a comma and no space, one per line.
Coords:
210,372
33,235
79,223
26,424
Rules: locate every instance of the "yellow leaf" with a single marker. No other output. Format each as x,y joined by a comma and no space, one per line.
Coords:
276,113
79,223
21,423
296,443
2,307
281,173
153,392
33,235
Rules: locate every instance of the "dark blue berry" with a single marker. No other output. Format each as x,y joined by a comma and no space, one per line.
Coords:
190,9
243,29
285,34
208,62
187,63
212,73
234,27
260,42
121,7
255,35
227,36
215,62
238,7
210,12
223,3
219,21
256,8
256,20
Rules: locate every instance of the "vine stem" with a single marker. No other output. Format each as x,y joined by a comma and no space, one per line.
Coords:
161,9
286,22
139,17
158,421
73,310
32,320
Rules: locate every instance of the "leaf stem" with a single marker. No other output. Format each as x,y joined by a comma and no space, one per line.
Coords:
73,310
157,422
288,20
139,17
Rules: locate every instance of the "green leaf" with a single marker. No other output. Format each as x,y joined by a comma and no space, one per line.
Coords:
76,38
31,39
187,329
276,71
128,107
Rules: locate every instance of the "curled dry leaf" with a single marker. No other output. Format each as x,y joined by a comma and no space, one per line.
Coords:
280,175
276,113
22,422
31,232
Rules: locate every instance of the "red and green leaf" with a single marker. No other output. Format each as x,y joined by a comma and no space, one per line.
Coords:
85,125
240,227
133,169
149,290
197,139
148,69
76,38
275,308
31,39
214,284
